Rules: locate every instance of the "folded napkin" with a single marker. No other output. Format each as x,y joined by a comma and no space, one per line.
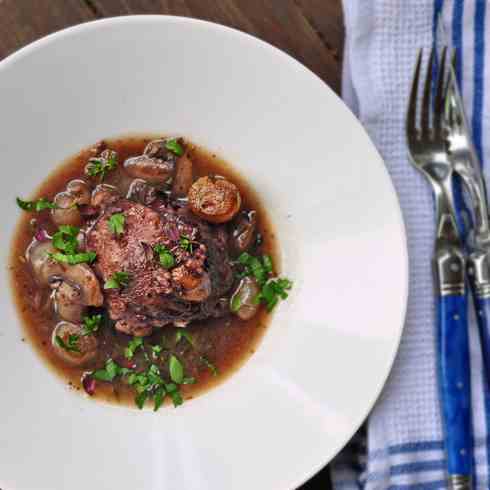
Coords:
401,446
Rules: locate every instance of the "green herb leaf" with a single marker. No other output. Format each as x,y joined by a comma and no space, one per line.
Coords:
176,398
159,397
166,258
35,206
71,345
244,258
176,370
171,387
73,259
110,371
91,324
267,262
174,146
117,280
141,399
132,347
183,334
116,223
102,165
272,291
209,365
185,244
188,381
235,303
156,350
65,239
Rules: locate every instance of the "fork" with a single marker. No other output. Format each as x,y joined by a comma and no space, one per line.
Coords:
426,140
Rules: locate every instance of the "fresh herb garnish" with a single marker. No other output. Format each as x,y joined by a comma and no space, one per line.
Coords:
141,398
102,165
272,289
65,240
71,345
166,258
132,347
117,280
35,206
73,259
116,223
185,243
110,371
91,324
176,370
174,394
267,263
150,384
156,350
209,365
174,146
236,303
183,334
159,397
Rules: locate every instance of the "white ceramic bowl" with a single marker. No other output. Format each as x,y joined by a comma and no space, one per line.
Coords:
329,349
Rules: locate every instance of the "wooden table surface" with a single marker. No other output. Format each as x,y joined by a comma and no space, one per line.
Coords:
309,30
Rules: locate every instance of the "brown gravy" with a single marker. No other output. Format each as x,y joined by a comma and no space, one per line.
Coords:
226,342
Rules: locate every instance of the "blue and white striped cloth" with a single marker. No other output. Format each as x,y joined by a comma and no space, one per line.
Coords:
401,445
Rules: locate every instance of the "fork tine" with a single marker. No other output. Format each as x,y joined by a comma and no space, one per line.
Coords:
411,125
441,90
426,102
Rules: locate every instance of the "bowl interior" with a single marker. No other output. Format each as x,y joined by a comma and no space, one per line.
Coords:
329,349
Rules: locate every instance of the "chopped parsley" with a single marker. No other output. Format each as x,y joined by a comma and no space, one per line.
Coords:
174,146
149,384
272,289
166,258
176,370
73,259
117,280
116,223
132,347
159,397
109,373
156,350
35,206
71,345
236,303
91,324
65,240
185,243
209,365
183,334
101,165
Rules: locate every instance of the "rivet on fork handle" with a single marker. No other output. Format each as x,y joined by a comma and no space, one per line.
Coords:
459,482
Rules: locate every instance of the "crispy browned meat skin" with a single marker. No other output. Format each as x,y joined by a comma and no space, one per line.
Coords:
156,296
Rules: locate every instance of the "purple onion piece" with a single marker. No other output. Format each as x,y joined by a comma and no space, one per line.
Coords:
41,235
87,211
88,384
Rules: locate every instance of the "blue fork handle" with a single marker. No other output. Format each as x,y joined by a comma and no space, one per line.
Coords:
482,311
455,383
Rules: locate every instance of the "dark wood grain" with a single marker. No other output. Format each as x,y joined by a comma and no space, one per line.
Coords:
23,21
309,30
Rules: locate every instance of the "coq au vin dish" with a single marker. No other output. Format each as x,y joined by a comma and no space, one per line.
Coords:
145,270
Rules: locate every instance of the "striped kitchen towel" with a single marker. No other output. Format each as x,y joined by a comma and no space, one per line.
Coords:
401,445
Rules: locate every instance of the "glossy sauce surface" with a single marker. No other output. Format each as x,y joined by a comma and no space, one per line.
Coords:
225,342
